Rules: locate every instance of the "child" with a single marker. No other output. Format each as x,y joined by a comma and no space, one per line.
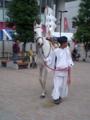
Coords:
62,65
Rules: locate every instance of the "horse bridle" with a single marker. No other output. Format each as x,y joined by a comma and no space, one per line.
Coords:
42,46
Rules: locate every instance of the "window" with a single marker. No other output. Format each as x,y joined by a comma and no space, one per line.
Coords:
4,3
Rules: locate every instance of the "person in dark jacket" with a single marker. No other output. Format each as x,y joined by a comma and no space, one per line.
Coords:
16,51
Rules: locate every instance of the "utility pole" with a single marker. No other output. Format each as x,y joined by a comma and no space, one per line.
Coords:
40,8
3,13
61,12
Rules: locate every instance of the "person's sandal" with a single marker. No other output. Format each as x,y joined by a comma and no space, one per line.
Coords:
58,101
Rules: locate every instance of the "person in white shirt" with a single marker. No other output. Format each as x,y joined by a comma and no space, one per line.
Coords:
62,63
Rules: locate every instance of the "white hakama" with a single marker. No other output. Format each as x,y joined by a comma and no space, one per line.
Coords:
63,61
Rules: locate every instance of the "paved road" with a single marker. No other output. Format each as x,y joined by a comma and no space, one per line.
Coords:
20,90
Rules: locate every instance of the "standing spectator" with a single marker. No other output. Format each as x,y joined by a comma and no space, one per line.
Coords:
16,51
76,52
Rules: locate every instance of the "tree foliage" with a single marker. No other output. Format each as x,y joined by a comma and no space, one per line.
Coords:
82,22
23,13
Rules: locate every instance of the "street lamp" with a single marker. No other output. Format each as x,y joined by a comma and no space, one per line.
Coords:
40,7
61,12
3,13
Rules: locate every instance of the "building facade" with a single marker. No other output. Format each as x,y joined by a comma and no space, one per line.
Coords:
3,12
72,7
64,10
61,8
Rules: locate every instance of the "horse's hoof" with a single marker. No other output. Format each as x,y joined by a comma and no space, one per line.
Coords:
43,95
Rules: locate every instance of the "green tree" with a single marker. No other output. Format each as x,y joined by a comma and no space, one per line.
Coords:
23,13
82,22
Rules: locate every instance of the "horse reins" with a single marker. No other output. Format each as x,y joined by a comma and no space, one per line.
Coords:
42,49
59,69
53,69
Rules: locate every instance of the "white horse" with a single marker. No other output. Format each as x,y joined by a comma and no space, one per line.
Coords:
44,49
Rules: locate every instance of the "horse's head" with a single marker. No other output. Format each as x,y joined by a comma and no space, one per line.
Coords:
38,34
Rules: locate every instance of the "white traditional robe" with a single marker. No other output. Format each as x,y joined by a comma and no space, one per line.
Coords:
63,61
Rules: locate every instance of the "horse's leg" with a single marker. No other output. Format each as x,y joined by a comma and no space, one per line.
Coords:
40,75
43,80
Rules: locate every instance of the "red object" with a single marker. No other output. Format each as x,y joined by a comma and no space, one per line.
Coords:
2,25
43,28
16,48
14,27
66,28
